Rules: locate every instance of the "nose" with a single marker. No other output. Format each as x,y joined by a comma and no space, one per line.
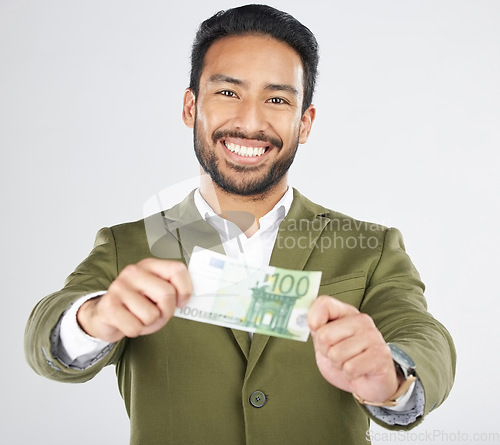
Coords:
250,117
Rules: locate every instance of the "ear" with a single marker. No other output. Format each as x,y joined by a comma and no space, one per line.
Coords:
189,108
306,124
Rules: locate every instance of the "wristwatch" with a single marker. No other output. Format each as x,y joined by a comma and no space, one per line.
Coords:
402,360
408,368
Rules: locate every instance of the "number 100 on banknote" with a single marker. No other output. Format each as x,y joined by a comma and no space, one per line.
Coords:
264,300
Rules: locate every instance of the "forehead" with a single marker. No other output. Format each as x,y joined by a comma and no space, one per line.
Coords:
254,58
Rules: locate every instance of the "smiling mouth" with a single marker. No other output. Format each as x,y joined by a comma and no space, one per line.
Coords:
242,150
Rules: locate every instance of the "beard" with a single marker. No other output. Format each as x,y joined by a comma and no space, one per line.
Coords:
248,180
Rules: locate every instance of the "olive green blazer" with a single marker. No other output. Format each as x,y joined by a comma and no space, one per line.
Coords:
191,383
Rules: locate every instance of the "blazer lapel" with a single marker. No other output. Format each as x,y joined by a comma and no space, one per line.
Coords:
185,223
187,226
298,233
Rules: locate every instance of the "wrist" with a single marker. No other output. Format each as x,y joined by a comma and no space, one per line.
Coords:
73,341
405,374
393,400
85,313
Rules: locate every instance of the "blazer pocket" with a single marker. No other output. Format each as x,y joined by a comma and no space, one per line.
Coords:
347,288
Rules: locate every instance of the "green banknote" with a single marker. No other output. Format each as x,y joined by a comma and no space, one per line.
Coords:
264,300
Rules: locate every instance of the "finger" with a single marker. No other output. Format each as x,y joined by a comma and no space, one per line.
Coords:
161,293
359,325
137,314
166,302
174,272
325,309
372,361
127,322
168,309
335,333
340,353
116,320
143,293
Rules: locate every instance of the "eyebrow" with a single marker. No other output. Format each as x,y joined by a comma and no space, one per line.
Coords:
222,78
282,87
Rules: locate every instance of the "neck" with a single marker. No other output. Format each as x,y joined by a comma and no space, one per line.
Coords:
238,208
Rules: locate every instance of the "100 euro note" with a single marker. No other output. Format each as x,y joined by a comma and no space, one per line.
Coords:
264,300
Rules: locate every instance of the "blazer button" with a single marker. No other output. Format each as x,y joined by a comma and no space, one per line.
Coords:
258,399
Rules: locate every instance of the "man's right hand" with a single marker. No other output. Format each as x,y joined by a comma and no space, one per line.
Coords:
140,301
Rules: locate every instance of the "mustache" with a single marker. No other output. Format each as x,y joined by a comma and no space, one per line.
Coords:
222,134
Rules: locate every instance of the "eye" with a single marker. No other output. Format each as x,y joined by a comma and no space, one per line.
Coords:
277,101
227,93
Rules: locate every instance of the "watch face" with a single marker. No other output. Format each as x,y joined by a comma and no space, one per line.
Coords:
402,358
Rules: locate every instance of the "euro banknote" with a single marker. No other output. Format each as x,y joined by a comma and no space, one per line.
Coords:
264,300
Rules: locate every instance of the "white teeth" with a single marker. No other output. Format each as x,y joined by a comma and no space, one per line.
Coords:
245,151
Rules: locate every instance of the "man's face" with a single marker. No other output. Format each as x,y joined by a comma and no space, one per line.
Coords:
247,117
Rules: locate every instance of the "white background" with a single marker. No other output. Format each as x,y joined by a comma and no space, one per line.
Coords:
407,134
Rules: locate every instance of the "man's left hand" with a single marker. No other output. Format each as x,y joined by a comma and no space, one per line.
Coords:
351,353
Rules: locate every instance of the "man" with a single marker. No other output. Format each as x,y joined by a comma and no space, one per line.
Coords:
374,350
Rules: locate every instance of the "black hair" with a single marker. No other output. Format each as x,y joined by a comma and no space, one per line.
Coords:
257,20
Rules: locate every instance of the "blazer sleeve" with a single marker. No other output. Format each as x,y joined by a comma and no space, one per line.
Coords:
94,274
395,300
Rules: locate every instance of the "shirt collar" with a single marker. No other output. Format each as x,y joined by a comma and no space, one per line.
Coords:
271,219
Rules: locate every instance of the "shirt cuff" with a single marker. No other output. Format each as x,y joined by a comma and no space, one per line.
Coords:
72,342
409,408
